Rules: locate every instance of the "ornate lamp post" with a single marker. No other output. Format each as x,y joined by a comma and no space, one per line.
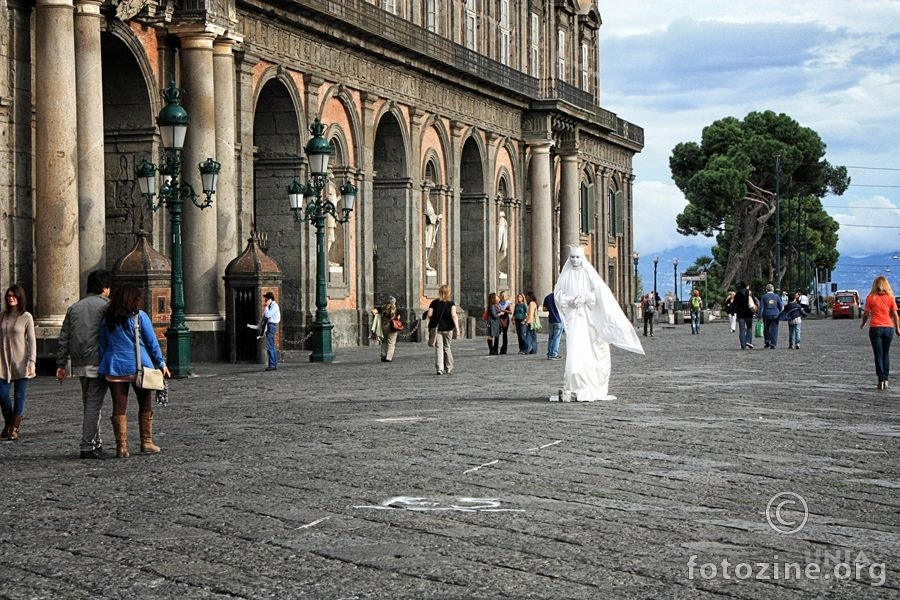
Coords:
318,151
655,265
675,282
173,122
635,257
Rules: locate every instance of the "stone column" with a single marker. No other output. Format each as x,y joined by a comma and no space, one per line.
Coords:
91,174
56,157
569,203
199,237
542,266
226,194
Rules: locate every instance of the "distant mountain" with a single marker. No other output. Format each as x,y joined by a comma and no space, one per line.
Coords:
851,273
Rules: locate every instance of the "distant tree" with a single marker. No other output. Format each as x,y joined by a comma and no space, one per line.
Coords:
729,180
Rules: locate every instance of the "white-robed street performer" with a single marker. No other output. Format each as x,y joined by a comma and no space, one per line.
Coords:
593,320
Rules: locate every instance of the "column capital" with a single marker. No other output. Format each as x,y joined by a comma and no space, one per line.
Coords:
88,7
53,4
196,37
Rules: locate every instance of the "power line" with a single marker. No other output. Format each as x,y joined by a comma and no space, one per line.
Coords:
878,226
861,207
873,168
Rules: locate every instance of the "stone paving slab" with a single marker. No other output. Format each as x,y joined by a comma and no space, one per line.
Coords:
362,479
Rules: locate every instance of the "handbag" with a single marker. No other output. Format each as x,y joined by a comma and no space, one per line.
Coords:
146,378
396,324
759,329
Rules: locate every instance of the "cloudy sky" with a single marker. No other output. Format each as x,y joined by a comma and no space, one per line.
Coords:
674,67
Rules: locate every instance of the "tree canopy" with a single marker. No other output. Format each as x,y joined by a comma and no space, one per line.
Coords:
734,180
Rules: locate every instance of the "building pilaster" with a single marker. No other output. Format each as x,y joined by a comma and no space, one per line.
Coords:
91,160
569,226
541,219
56,155
201,274
226,195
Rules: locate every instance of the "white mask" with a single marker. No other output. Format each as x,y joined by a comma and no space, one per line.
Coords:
576,257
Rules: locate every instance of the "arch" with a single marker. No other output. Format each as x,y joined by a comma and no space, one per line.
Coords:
278,142
475,221
391,198
131,101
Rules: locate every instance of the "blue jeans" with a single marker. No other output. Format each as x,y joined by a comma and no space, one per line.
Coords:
881,338
794,331
556,330
770,329
270,345
531,345
695,321
522,334
6,403
745,331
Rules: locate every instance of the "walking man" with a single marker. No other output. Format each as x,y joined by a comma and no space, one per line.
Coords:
79,341
556,327
272,315
770,307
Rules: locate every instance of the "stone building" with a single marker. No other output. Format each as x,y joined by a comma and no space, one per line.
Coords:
472,129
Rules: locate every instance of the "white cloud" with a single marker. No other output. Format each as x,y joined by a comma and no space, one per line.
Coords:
833,65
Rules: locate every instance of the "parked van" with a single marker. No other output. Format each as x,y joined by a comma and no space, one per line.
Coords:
846,304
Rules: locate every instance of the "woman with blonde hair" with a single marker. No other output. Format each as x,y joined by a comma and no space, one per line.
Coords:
881,312
444,321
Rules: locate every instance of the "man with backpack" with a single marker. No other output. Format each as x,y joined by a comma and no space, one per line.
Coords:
648,309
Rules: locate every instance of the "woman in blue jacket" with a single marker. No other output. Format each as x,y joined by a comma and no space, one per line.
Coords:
118,363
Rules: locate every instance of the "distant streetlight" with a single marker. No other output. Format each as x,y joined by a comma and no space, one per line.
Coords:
636,256
675,282
655,265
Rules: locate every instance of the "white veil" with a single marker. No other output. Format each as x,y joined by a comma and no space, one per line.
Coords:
607,321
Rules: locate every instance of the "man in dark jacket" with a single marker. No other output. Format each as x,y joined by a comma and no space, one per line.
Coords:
770,306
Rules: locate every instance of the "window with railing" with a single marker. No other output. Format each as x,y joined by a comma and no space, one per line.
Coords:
471,26
585,70
504,32
431,15
535,55
561,55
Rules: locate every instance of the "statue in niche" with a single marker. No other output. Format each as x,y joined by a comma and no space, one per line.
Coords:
334,248
432,220
502,243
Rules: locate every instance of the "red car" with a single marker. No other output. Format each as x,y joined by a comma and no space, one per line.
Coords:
846,304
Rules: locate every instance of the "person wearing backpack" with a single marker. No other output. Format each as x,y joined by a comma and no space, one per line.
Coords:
696,307
648,309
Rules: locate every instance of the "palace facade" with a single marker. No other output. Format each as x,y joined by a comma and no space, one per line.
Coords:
472,129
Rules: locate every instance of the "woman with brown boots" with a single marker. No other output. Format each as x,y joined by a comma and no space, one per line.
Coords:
18,352
118,363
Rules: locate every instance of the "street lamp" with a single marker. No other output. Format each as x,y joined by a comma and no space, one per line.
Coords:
173,122
635,257
655,265
318,207
675,283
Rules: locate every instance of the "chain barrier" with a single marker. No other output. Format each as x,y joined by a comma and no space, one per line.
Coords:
294,344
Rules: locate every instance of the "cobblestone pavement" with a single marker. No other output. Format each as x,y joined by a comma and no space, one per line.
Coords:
362,479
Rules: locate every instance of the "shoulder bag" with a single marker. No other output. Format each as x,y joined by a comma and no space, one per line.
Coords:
146,378
396,324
